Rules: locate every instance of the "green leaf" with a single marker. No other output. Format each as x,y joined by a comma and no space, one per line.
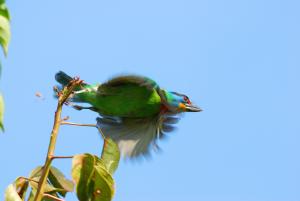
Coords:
17,190
31,196
21,186
4,27
110,155
35,175
58,180
93,181
103,186
11,193
33,193
37,172
1,112
82,173
3,10
48,187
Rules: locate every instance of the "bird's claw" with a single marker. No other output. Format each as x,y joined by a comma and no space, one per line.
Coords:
66,118
57,91
76,80
77,107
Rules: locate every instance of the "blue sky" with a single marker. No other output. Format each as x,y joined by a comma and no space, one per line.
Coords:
238,60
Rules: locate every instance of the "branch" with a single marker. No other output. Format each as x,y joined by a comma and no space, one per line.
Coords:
62,98
52,197
77,124
61,157
28,179
88,125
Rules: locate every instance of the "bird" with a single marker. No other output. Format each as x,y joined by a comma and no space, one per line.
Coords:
134,111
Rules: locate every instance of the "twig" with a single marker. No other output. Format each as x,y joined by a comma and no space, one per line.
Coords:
77,124
52,197
62,98
61,157
28,179
88,125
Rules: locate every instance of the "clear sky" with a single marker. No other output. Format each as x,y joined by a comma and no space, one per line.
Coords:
237,59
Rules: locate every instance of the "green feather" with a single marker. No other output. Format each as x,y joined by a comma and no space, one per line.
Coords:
126,96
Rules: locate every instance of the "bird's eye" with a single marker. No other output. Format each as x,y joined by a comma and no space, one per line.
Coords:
186,99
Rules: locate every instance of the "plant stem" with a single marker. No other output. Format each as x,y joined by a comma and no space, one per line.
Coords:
62,98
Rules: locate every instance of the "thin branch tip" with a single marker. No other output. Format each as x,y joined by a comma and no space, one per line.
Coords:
77,124
63,96
52,197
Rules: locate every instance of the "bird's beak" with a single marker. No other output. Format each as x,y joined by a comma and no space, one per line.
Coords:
192,108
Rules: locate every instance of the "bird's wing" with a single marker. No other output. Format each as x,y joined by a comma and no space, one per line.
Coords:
128,80
136,137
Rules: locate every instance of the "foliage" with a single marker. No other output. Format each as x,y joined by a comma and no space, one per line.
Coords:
4,41
4,27
92,175
18,190
57,183
1,112
110,155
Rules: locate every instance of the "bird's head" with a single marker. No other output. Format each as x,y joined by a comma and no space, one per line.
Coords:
177,102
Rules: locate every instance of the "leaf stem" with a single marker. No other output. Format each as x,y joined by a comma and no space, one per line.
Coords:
62,98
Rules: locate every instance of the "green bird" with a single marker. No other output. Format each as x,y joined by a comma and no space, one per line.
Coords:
135,112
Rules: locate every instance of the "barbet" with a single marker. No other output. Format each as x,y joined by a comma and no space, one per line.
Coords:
135,112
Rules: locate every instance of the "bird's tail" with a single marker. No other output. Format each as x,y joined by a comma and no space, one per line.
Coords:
62,78
79,93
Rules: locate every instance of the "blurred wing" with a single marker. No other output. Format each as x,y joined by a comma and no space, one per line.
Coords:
126,80
136,137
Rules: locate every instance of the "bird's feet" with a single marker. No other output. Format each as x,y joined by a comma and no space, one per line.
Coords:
57,91
77,80
78,107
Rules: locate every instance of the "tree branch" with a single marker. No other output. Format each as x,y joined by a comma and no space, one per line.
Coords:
61,157
28,179
77,124
52,197
62,98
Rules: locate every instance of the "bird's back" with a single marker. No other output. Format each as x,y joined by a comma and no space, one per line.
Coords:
124,97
